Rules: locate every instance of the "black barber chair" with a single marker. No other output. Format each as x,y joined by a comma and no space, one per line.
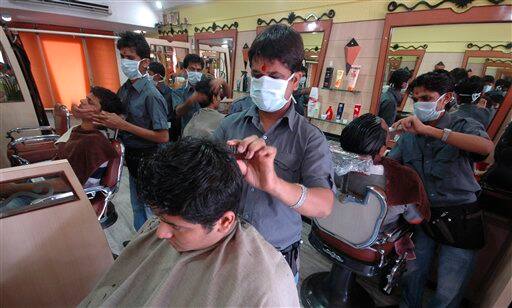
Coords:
352,238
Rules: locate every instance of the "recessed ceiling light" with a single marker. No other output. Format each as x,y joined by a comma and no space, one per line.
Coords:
159,5
6,17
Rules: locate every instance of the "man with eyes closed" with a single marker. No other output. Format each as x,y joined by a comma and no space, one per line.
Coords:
285,160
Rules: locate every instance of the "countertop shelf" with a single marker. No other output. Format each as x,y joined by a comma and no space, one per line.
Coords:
342,90
328,121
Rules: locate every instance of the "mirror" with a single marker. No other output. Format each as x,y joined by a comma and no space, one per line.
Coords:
217,55
417,45
32,193
312,47
218,51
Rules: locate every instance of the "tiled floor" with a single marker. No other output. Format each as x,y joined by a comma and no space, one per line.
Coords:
310,260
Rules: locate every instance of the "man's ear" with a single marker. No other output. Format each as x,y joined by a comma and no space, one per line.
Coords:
144,64
225,223
296,80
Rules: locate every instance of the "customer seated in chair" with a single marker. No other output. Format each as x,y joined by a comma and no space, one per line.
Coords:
86,148
196,252
206,120
367,136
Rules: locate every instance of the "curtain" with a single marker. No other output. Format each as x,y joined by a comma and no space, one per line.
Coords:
102,59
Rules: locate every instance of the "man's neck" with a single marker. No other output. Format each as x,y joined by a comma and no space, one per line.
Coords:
87,125
268,119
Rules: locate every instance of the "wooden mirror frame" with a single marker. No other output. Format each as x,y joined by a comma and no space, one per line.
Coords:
324,26
481,14
175,38
232,34
420,53
486,54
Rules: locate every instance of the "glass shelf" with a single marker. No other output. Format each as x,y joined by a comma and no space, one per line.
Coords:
328,121
342,90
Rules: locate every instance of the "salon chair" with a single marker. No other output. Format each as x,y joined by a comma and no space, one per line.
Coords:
352,237
32,149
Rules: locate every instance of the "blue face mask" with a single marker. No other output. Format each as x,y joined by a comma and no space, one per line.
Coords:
194,77
130,68
426,111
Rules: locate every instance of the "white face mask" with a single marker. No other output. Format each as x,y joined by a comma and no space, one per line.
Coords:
487,88
268,93
194,77
130,68
426,111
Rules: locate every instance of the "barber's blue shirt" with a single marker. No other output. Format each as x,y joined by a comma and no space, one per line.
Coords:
446,171
180,96
145,107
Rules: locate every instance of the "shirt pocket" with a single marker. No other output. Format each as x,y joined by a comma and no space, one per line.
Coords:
287,167
446,164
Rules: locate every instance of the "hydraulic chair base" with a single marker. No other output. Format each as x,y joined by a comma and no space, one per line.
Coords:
336,288
110,217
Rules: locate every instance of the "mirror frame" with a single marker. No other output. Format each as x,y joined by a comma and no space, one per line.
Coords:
484,54
232,34
480,14
420,53
175,38
324,26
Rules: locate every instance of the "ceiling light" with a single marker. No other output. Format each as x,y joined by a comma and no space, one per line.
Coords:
6,17
312,26
159,5
224,46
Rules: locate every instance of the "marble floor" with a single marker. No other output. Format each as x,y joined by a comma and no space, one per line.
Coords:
311,261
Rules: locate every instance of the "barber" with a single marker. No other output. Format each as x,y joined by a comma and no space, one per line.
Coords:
285,159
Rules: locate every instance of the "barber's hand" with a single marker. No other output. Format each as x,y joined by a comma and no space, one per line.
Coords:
256,162
217,86
411,124
110,120
86,112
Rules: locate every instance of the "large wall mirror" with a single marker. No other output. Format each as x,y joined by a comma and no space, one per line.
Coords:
218,51
415,41
315,35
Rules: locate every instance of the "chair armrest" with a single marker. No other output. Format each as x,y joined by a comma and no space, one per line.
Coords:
92,191
52,137
19,160
28,129
395,233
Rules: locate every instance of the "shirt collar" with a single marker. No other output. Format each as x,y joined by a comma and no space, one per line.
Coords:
140,83
290,115
444,121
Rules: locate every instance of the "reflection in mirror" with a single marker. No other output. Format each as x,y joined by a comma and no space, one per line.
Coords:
446,44
312,47
9,88
28,194
217,54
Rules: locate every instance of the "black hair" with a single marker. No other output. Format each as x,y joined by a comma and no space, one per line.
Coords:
364,135
134,40
204,87
192,178
503,84
458,74
192,58
436,82
443,71
279,42
467,87
109,101
157,68
493,98
488,79
398,77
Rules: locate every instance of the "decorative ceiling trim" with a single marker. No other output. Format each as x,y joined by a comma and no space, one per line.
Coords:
316,48
215,27
489,46
292,18
497,61
461,4
410,47
168,29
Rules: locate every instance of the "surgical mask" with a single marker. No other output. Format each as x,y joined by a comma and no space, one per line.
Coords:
426,111
268,93
303,80
487,88
130,68
194,77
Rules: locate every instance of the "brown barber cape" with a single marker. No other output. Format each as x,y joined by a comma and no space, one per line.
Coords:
242,270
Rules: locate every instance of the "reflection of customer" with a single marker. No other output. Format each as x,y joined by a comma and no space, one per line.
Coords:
468,93
499,174
391,99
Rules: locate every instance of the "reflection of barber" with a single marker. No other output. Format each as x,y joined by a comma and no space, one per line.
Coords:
391,99
185,104
286,160
468,93
442,149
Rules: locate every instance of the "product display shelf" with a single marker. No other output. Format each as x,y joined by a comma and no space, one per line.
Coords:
342,90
